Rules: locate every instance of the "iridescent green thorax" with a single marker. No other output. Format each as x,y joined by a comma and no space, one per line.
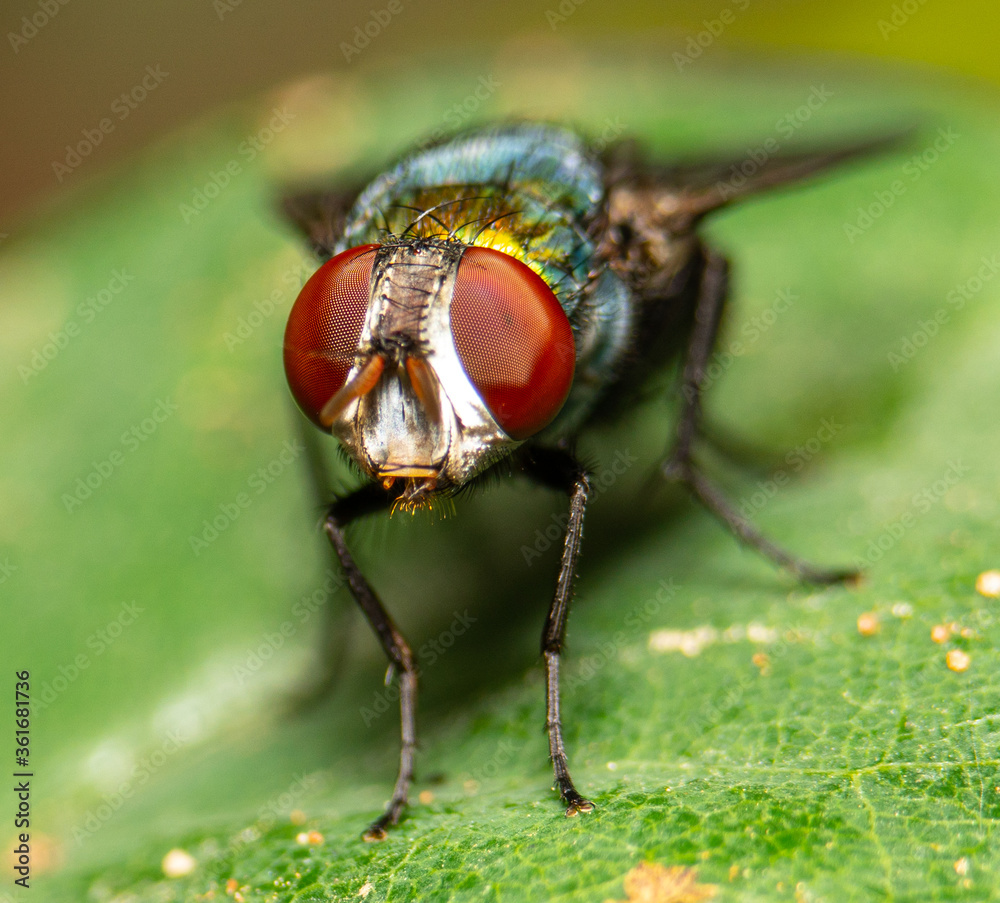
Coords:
527,190
519,220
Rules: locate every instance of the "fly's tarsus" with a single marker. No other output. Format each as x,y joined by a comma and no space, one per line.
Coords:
715,502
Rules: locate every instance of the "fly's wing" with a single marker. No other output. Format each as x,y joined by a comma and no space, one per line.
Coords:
701,187
647,235
320,216
654,209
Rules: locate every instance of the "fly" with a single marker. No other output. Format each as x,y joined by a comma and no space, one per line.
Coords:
481,304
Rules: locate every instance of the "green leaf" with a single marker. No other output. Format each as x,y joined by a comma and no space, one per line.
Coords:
168,582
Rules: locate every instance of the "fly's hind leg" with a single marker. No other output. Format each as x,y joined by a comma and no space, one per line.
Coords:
680,464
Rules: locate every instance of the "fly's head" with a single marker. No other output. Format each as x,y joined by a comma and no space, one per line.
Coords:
428,359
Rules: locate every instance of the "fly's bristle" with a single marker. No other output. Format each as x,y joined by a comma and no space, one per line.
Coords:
410,506
438,507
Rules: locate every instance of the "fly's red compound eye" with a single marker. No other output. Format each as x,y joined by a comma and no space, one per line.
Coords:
513,339
324,327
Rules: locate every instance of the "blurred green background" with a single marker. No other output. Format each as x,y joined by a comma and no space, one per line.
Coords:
854,769
64,78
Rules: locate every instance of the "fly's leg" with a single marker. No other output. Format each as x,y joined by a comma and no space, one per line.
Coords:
367,501
712,294
680,464
561,471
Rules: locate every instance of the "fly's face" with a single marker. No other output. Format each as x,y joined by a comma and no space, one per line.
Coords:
428,359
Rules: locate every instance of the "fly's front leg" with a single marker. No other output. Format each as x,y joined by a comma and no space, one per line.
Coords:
680,464
367,501
560,470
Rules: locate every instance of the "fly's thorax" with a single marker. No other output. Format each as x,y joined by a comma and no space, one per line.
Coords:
423,420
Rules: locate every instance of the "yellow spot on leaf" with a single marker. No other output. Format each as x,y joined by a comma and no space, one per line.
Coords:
309,838
763,662
868,624
178,863
650,882
988,583
958,660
